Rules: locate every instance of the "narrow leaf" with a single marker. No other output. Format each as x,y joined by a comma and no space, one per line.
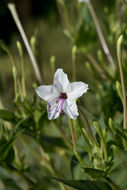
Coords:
85,184
94,173
8,116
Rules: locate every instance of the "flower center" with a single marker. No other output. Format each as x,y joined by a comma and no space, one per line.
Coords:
63,95
58,107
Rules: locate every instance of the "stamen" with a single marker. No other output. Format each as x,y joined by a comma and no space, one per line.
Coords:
61,107
58,99
59,104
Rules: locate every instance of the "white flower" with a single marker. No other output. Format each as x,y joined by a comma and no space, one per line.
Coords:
61,96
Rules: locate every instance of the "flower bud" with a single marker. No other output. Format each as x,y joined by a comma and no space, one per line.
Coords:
111,125
99,55
119,90
74,49
52,63
19,48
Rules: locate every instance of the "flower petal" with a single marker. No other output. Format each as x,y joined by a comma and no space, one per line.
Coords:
77,89
70,109
47,92
53,109
61,81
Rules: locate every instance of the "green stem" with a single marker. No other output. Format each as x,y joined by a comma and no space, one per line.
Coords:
119,90
118,14
86,139
74,144
23,79
22,66
98,68
52,64
14,71
80,159
72,134
119,55
106,69
1,104
103,144
64,15
3,46
74,49
88,126
77,8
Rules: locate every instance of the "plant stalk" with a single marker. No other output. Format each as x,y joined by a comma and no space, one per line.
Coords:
119,55
22,67
88,126
74,49
100,34
103,143
14,13
72,134
86,139
63,14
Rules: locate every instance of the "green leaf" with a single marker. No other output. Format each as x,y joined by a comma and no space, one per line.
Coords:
37,115
22,123
111,143
5,150
49,142
10,156
8,116
85,184
102,121
95,173
122,133
40,118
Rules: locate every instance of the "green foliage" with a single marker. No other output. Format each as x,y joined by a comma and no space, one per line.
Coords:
85,184
49,143
8,116
95,173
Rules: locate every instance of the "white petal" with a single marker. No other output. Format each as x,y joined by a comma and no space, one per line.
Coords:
47,92
77,89
61,81
53,109
70,109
